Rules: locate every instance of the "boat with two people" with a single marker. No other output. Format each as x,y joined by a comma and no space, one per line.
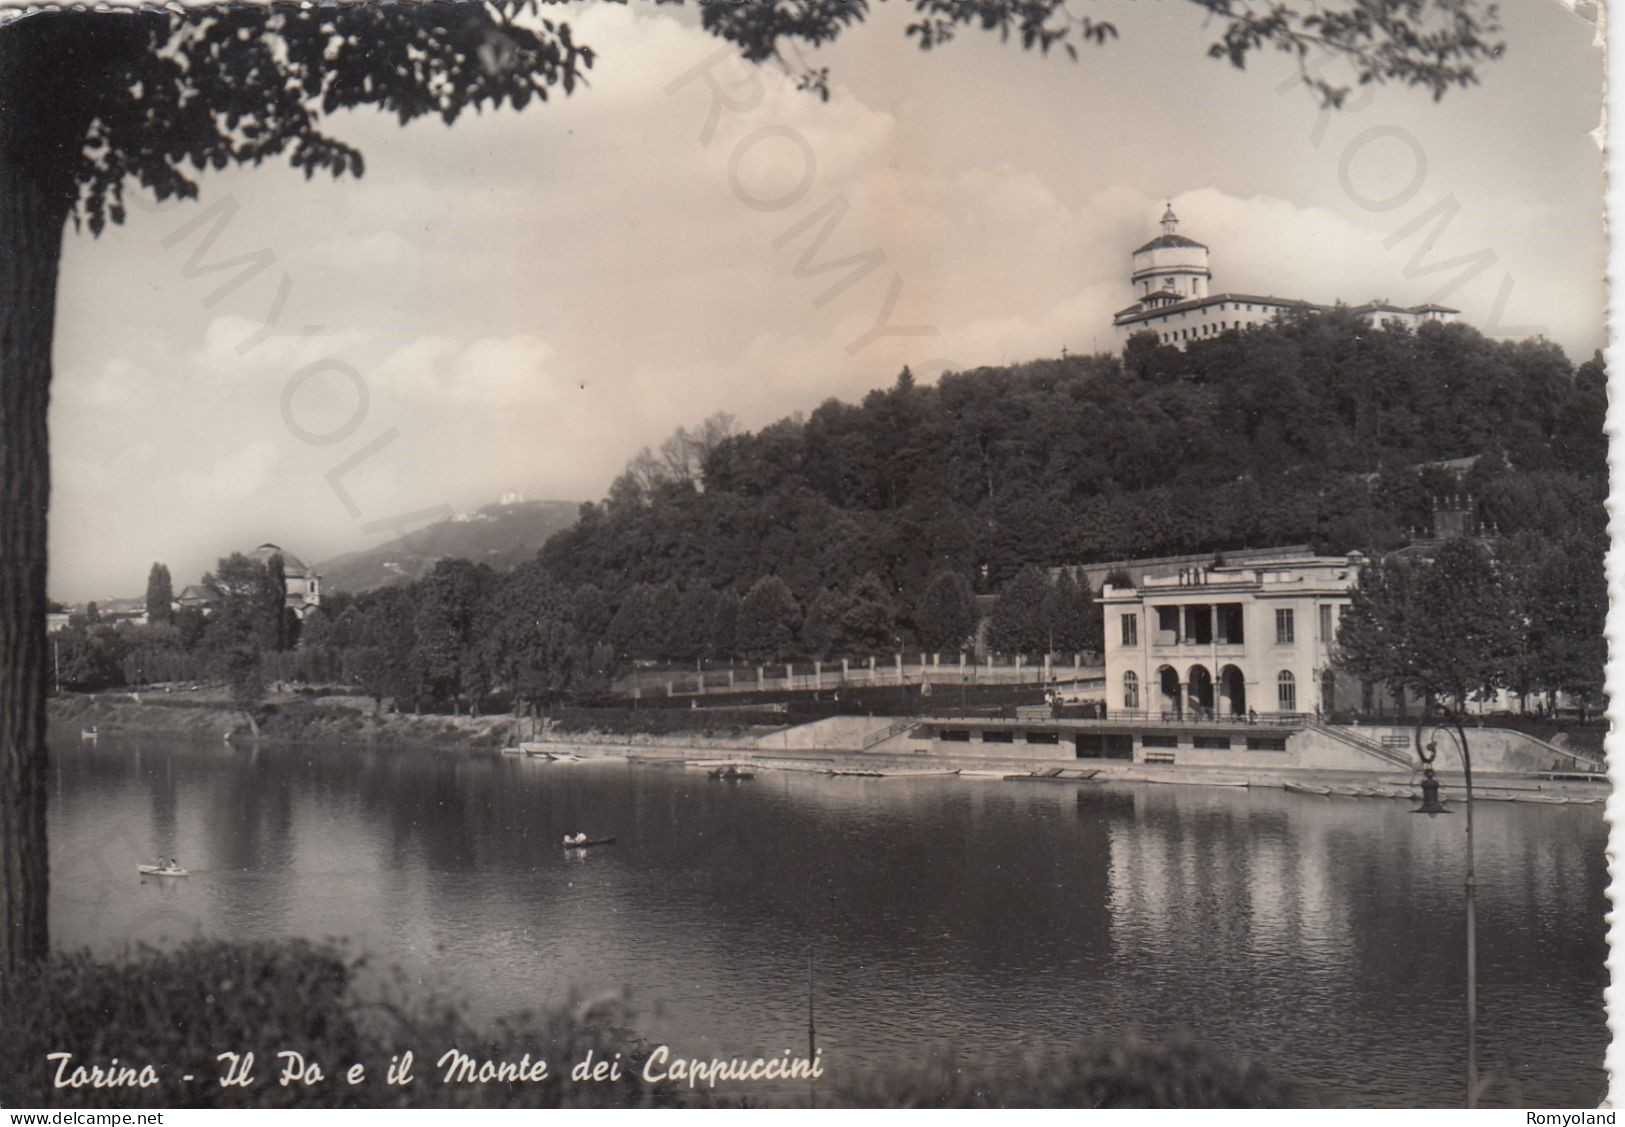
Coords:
582,841
162,870
733,772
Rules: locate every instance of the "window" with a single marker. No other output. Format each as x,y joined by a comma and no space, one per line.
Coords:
1109,746
997,736
1326,634
1043,737
1283,627
1131,629
1286,690
1131,691
1159,739
1213,743
1266,743
954,735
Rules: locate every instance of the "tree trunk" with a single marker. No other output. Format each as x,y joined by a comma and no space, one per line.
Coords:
54,69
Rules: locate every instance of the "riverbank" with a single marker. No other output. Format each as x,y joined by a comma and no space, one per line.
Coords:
349,721
286,718
862,765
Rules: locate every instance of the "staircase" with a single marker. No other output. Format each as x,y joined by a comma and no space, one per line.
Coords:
896,728
1388,755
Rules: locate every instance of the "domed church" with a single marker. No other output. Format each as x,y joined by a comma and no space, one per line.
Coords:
1171,276
304,586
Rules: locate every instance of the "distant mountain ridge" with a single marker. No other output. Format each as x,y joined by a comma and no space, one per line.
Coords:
500,535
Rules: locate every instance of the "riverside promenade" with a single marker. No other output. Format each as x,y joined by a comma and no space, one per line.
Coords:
901,754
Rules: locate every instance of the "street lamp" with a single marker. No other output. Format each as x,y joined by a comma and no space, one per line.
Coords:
1432,806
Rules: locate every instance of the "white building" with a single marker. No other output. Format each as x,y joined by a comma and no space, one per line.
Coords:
1171,279
1246,637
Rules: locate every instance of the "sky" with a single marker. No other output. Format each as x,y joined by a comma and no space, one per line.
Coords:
520,302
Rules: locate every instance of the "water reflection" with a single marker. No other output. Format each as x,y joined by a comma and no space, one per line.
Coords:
1322,935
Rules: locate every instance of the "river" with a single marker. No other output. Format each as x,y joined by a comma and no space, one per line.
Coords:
1321,936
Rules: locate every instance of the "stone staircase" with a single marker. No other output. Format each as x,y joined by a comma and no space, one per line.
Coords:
1391,756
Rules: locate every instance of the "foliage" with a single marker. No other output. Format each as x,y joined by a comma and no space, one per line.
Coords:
868,621
945,618
823,623
769,620
448,602
244,677
526,638
160,595
1446,626
1021,624
182,1006
88,658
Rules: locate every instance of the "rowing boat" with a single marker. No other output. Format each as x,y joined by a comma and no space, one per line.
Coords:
160,871
1299,788
590,842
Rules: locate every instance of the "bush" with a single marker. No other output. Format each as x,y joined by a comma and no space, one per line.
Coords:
179,1009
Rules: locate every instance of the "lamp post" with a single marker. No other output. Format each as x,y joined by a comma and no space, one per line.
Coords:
1432,806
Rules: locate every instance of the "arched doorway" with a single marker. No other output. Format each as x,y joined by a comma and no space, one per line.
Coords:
1201,689
1232,692
1168,689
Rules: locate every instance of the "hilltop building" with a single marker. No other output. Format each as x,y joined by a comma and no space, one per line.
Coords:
1171,276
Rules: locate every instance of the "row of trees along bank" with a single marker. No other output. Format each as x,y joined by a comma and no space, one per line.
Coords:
464,632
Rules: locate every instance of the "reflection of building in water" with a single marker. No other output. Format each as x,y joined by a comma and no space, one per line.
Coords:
1189,867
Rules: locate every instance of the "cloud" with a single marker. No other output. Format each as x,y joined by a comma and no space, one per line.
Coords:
492,372
233,476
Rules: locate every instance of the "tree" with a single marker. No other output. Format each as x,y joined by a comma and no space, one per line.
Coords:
88,659
725,624
527,637
1446,627
1019,624
449,604
946,616
1072,617
868,623
637,628
90,101
160,595
821,631
769,620
383,660
245,678
271,604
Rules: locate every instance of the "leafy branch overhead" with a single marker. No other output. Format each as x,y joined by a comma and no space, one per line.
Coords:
192,89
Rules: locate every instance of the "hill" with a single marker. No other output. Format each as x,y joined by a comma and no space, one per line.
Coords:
1309,431
501,536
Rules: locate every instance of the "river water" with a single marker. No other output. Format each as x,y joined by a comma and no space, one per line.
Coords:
1321,936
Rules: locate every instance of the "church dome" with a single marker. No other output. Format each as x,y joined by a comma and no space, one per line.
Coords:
1171,263
291,564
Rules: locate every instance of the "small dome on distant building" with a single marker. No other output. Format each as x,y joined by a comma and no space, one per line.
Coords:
291,563
1171,263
